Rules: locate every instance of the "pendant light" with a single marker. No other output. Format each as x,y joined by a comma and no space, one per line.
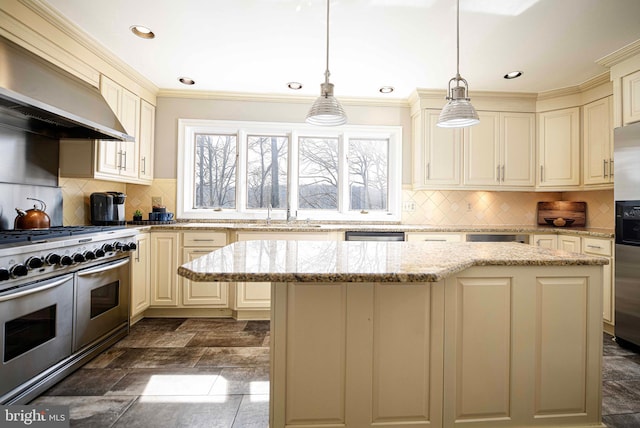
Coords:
458,112
326,110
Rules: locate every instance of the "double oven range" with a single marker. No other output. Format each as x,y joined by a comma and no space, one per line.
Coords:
64,297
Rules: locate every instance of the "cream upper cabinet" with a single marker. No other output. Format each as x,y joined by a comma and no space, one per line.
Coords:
500,151
437,152
120,157
146,140
597,137
631,98
124,161
559,148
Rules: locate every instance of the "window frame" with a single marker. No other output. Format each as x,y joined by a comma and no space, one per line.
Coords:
187,128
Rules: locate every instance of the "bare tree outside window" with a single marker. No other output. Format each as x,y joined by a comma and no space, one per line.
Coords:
267,158
318,173
215,171
368,162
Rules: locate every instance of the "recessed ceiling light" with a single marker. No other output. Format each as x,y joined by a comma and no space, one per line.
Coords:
142,31
186,81
513,74
386,89
294,85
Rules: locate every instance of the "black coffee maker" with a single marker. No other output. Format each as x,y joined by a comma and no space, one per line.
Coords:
107,208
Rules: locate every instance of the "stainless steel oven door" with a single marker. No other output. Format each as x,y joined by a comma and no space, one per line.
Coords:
36,322
102,301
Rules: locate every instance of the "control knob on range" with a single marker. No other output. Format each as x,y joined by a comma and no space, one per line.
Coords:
4,274
132,246
89,255
100,252
66,261
18,270
123,246
34,262
107,248
52,259
78,258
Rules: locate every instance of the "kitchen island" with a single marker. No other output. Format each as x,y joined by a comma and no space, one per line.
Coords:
390,334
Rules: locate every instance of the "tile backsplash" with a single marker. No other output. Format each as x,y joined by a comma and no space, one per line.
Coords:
481,208
439,208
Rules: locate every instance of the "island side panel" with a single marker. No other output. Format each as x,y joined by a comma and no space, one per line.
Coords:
392,336
530,338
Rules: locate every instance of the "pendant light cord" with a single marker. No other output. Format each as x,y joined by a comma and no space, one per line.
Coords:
457,40
326,73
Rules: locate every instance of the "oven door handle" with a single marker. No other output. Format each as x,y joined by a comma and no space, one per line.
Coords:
103,268
44,287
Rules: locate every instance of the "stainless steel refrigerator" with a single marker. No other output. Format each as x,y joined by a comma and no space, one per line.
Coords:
627,256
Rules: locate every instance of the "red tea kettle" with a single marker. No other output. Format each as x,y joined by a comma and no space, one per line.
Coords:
35,218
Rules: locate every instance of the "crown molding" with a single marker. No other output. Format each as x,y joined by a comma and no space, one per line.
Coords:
67,27
274,98
601,79
620,55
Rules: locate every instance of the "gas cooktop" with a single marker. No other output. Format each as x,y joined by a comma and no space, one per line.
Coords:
36,235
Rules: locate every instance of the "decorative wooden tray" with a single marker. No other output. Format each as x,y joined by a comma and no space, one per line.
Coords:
576,211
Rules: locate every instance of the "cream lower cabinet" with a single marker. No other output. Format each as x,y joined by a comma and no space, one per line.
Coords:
140,276
203,294
572,244
256,296
545,240
604,248
165,259
491,346
559,148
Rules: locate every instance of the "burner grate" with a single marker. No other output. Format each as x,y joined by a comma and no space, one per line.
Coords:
18,236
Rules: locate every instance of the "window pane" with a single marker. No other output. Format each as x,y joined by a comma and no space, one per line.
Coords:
267,171
368,173
215,171
318,177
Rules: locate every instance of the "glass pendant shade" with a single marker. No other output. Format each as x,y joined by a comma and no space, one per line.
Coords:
326,110
458,112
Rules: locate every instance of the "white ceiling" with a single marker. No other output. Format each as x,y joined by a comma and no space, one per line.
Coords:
257,46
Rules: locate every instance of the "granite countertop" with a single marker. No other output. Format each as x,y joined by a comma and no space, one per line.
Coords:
302,226
354,261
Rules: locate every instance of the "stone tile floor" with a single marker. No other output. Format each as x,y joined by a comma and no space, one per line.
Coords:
174,373
620,385
215,373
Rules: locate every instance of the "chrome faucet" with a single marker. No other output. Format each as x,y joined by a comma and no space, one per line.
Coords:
269,207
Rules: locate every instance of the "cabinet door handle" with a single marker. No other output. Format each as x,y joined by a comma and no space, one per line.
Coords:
503,173
604,168
610,167
498,173
124,157
144,165
595,246
204,240
541,173
428,170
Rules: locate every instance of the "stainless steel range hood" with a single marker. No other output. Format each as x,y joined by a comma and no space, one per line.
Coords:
38,97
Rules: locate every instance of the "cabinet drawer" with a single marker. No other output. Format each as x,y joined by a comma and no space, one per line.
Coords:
204,239
599,247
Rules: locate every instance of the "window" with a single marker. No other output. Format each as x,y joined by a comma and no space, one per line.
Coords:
242,170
